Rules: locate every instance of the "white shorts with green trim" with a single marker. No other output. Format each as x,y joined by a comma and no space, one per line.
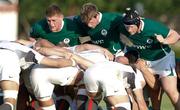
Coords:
164,66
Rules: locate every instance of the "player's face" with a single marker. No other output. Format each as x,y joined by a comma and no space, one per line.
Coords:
132,29
93,22
55,22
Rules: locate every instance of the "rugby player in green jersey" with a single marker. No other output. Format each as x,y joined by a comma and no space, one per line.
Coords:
55,28
101,27
152,40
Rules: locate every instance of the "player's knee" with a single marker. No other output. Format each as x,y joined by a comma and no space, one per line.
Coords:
174,96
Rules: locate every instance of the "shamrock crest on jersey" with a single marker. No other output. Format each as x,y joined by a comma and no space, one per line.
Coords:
104,32
66,40
149,41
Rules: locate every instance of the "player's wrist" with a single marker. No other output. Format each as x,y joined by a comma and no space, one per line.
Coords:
142,69
34,44
68,55
165,41
73,62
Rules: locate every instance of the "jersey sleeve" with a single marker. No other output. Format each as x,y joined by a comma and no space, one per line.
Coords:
157,28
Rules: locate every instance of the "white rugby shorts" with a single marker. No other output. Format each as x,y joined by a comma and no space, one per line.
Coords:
164,66
9,66
44,78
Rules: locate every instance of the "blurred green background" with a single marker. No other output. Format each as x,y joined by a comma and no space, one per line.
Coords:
165,11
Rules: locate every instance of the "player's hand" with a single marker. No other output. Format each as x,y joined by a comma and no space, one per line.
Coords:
140,64
160,38
62,44
68,55
108,55
37,48
63,49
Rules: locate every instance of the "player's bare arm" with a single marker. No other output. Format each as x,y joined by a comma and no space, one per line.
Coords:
106,52
67,55
149,77
172,37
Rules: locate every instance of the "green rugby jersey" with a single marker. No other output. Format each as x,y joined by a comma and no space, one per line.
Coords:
69,32
145,41
106,33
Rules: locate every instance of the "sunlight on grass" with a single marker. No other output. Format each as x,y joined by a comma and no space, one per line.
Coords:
166,103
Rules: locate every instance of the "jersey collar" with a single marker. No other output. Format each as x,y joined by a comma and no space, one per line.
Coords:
100,16
62,24
142,25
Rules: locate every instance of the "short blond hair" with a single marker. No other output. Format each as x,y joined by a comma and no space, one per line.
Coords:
88,11
53,10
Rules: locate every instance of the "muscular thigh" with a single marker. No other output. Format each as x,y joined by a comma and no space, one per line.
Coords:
169,83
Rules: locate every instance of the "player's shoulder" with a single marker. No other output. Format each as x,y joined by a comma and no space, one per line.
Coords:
153,25
149,21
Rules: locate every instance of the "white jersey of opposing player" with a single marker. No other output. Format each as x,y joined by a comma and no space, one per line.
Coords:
109,76
20,50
